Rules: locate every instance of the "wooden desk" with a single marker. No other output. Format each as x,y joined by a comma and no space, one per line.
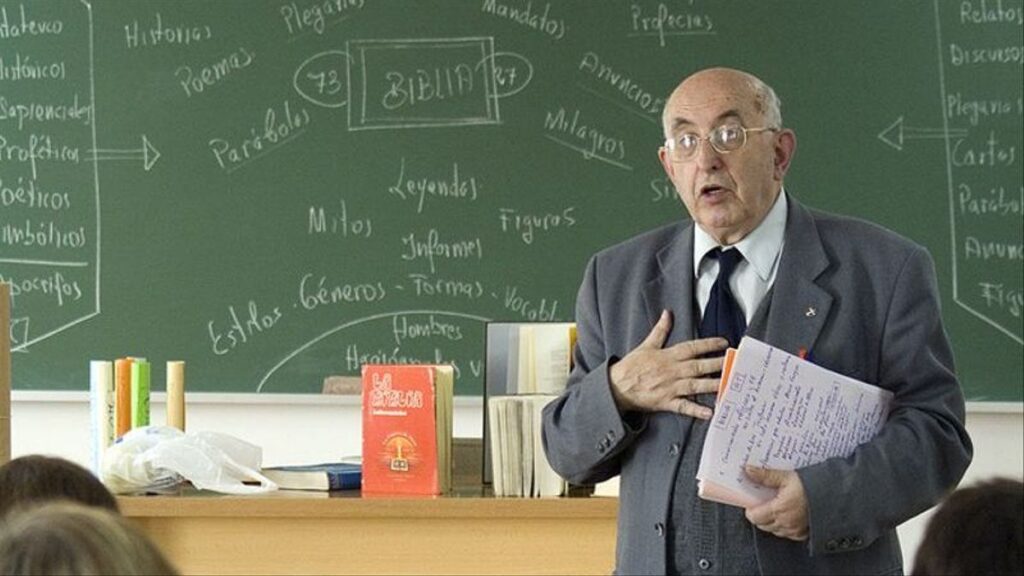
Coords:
310,533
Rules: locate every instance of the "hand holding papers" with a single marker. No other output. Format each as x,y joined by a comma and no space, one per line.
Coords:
776,410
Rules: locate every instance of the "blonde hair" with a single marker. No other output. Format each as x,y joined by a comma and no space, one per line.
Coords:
67,538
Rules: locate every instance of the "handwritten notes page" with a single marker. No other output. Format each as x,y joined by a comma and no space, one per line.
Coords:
777,410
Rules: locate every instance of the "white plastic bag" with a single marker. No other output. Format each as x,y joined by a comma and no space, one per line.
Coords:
160,458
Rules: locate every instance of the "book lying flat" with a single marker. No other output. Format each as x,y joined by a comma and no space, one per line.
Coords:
777,410
329,476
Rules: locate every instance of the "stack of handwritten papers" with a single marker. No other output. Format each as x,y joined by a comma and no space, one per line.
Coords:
776,410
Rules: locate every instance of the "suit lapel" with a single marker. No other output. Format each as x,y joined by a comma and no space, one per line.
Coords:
799,307
672,289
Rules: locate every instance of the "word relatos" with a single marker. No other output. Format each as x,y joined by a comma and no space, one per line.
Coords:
591,142
275,132
527,225
316,16
667,23
241,329
525,16
991,12
433,248
323,222
455,187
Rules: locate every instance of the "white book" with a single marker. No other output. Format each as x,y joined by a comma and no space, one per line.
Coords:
519,465
777,410
101,410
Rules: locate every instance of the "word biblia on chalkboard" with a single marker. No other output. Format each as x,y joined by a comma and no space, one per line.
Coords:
290,189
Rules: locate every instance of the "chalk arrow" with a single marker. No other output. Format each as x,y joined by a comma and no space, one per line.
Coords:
897,133
147,153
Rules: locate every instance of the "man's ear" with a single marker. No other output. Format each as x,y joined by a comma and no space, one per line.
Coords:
666,163
785,148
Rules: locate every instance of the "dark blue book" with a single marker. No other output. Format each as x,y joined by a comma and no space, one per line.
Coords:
326,477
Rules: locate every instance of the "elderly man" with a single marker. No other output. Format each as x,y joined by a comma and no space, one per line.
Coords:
655,313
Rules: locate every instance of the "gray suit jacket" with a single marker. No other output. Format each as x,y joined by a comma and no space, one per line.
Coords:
875,317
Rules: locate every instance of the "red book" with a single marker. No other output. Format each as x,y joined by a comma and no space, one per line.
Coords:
407,428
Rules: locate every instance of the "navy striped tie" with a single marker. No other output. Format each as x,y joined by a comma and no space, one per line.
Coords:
723,316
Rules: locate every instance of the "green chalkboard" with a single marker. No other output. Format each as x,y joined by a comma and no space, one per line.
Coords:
276,191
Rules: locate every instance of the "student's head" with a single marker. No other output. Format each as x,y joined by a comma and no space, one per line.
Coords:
41,478
725,150
977,530
63,537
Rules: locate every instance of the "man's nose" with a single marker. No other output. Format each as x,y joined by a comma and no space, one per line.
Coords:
707,157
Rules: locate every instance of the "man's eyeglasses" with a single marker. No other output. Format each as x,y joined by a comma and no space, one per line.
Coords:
724,139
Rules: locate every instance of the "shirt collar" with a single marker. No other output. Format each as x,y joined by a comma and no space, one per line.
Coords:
761,248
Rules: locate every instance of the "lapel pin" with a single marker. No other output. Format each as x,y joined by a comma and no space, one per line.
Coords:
811,312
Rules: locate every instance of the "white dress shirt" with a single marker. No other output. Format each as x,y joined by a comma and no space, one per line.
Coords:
755,274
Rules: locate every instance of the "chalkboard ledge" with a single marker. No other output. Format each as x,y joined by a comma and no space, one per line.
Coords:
81,396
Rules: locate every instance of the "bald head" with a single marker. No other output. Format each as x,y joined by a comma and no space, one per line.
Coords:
746,89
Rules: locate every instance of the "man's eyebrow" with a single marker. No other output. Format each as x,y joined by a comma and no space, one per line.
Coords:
731,113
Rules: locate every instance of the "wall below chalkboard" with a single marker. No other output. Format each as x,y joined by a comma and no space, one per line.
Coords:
277,191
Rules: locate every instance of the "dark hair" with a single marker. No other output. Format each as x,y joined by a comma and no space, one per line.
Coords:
64,537
977,530
37,478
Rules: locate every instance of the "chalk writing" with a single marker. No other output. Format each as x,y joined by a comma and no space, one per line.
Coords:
43,234
433,248
316,16
23,193
198,80
36,112
988,12
961,56
453,187
27,26
996,202
589,141
53,284
662,189
664,23
274,133
404,327
321,79
39,148
991,153
526,224
239,332
625,85
975,248
316,293
997,295
421,83
160,34
22,67
320,222
535,311
959,106
424,285
525,16
355,358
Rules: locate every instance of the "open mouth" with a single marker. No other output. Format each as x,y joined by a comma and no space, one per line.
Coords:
712,190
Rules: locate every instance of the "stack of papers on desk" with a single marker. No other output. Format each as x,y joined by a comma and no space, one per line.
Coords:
776,410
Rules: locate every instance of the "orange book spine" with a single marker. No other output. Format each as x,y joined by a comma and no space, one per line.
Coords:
123,396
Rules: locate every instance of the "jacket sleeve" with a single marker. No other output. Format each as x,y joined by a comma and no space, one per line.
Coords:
583,431
921,452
